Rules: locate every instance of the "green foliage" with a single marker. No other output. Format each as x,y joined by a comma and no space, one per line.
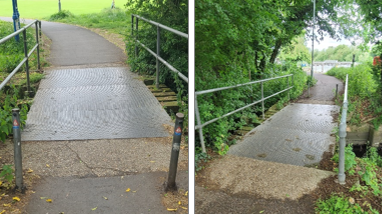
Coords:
7,173
363,86
12,52
342,53
350,161
338,204
199,159
60,15
114,20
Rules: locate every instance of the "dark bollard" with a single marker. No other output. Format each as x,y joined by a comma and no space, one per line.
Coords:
336,91
17,150
171,185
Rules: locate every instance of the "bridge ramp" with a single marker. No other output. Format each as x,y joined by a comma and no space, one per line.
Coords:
94,103
298,135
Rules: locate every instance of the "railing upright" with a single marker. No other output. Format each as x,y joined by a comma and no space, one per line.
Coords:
198,121
157,54
342,135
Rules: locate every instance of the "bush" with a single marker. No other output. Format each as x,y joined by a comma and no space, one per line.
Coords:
61,15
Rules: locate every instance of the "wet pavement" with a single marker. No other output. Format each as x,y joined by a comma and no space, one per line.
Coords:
299,133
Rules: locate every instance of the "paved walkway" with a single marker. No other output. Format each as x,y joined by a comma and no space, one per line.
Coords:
264,172
298,134
95,130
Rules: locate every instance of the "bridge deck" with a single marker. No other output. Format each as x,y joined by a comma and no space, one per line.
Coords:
298,135
94,103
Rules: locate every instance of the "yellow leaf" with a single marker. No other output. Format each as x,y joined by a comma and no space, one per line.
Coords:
7,205
186,193
135,191
2,212
105,197
179,203
172,210
30,171
94,208
49,200
16,198
184,208
1,183
47,165
128,190
152,161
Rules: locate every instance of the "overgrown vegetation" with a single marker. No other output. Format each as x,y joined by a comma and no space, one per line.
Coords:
365,101
367,185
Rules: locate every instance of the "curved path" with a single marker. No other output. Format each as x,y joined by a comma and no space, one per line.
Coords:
89,93
83,97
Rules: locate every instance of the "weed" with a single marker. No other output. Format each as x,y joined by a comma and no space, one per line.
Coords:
7,173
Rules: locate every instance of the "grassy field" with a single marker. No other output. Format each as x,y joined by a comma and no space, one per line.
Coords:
38,9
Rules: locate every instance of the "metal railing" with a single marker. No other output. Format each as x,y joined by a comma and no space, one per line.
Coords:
157,55
342,135
200,126
26,54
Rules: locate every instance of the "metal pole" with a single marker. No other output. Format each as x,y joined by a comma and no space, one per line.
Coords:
26,62
288,87
171,185
336,91
342,135
17,150
158,55
262,99
38,48
59,5
136,36
199,123
311,70
15,17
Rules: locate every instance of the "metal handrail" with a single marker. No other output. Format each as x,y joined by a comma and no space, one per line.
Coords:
200,126
26,54
342,135
157,55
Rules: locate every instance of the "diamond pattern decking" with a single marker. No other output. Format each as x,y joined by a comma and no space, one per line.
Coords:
94,103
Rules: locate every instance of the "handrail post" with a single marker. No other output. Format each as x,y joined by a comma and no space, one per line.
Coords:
136,36
26,62
342,135
38,48
288,87
262,99
199,123
158,55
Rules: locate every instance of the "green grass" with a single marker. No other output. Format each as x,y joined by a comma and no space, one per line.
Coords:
114,20
38,9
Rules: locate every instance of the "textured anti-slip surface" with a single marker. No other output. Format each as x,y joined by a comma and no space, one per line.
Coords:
94,103
298,134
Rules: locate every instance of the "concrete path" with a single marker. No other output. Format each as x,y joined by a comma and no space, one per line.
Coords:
112,132
298,134
265,173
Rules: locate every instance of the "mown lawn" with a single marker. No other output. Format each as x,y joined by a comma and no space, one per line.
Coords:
38,9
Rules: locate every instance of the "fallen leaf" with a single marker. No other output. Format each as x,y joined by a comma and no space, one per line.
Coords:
186,193
261,211
1,183
42,198
152,161
7,205
128,190
351,200
105,197
172,210
179,203
2,212
49,200
30,171
184,208
16,198
94,208
47,165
